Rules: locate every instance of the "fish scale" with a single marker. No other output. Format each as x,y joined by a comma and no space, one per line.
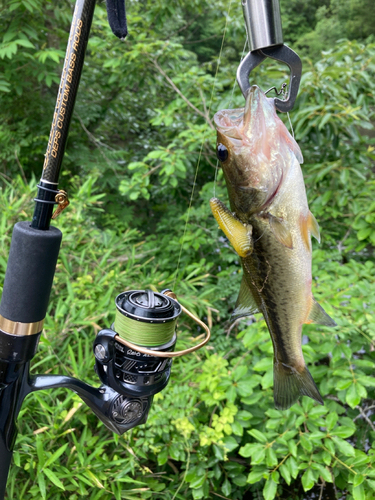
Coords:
270,226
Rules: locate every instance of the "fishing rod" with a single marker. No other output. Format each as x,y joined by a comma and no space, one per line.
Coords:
133,357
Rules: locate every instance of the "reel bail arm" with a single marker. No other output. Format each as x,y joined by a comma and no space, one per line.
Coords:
264,32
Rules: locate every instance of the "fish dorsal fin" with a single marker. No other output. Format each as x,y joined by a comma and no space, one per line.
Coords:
314,227
237,233
245,305
318,315
281,230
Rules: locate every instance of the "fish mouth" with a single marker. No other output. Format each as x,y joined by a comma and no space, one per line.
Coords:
229,122
233,122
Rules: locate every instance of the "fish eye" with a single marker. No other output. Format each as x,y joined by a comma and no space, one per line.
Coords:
221,152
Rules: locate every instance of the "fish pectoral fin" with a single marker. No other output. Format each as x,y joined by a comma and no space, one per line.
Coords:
318,315
309,225
281,230
245,305
290,383
238,234
314,227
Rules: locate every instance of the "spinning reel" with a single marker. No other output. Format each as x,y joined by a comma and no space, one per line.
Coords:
149,319
134,357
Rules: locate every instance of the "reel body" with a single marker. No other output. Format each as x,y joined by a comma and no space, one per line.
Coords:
151,318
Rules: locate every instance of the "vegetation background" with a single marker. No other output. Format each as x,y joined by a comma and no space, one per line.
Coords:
141,149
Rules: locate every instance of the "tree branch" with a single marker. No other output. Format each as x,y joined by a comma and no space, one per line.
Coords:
176,89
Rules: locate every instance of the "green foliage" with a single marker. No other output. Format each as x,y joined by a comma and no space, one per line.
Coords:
141,139
334,21
214,429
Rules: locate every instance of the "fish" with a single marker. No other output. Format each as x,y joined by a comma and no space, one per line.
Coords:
269,225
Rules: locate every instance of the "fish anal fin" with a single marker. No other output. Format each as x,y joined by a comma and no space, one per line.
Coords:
318,315
237,233
245,305
281,230
290,383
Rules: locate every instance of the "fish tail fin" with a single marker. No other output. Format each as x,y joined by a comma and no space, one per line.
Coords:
290,384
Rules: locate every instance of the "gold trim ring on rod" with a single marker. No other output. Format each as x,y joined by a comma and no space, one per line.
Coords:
20,329
161,354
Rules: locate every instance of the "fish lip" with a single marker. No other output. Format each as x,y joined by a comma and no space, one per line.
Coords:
231,122
228,122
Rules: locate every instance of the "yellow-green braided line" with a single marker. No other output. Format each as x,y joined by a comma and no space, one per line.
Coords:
142,333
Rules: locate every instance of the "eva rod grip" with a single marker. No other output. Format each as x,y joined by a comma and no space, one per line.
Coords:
29,275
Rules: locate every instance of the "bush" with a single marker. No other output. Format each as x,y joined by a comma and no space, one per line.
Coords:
214,429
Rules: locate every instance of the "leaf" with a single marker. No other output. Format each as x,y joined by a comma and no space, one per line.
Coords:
364,233
240,480
367,381
325,473
258,435
292,445
324,120
343,431
331,420
271,458
258,456
94,479
218,452
264,364
293,467
230,443
308,479
352,397
226,488
358,479
42,485
359,492
256,475
52,477
237,429
345,448
163,456
326,457
270,489
305,442
284,471
56,455
25,43
249,448
198,493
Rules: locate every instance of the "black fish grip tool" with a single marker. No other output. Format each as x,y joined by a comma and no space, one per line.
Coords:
265,36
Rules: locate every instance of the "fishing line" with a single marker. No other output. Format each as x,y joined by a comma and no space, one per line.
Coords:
291,126
142,333
202,145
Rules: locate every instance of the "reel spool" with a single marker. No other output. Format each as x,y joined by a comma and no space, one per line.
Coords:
134,357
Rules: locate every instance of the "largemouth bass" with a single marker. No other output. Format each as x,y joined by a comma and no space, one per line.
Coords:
270,226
